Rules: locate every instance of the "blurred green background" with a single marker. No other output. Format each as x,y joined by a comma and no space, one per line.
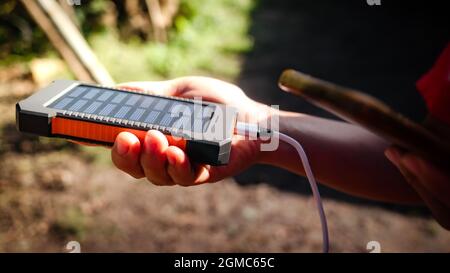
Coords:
216,29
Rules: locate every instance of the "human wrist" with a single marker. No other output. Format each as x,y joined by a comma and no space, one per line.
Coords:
271,149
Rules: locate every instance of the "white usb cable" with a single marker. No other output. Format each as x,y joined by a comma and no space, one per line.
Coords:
253,131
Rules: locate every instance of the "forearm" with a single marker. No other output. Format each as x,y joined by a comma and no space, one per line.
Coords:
342,156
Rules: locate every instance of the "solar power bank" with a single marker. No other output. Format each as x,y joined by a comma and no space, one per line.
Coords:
95,114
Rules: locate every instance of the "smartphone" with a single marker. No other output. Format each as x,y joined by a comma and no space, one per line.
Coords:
374,115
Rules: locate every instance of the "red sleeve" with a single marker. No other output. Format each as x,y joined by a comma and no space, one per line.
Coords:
435,87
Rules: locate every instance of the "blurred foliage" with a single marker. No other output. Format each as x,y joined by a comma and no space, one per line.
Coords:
71,224
20,38
206,37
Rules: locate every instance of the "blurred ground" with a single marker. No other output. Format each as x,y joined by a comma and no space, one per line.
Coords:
52,192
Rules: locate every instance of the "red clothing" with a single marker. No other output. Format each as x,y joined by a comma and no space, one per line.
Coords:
435,87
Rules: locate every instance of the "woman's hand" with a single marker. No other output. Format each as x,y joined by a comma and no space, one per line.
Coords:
163,164
431,183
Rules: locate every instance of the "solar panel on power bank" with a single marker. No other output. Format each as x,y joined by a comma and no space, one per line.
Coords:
95,114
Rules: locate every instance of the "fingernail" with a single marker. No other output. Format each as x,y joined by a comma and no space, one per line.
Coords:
411,163
122,148
392,155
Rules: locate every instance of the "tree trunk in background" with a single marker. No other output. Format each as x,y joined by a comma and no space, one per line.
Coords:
161,14
70,11
68,40
137,19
